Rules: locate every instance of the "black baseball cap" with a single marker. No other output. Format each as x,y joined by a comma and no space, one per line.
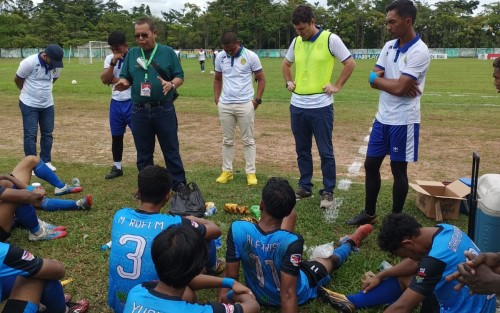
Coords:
56,55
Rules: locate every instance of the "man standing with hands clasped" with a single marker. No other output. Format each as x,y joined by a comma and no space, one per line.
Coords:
153,72
235,69
399,74
311,111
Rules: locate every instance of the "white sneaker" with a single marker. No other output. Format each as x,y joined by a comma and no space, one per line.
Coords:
52,167
47,234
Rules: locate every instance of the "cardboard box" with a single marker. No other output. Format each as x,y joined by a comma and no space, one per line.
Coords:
440,201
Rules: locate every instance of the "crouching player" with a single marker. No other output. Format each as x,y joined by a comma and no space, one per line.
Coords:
179,254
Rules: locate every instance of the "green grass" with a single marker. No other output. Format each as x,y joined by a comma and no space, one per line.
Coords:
460,113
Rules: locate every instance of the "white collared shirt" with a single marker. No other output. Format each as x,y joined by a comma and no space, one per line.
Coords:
37,87
117,95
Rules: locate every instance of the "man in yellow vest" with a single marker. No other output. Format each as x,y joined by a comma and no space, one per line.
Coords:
311,111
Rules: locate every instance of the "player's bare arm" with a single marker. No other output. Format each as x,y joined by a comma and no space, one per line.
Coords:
404,86
288,293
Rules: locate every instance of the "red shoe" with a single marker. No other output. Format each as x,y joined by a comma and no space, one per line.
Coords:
85,203
361,233
81,306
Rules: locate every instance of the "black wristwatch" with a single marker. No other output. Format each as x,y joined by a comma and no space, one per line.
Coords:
259,101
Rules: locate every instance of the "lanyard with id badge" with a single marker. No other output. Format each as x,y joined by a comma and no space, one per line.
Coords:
146,86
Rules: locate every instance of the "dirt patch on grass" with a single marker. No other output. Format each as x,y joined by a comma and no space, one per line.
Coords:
86,139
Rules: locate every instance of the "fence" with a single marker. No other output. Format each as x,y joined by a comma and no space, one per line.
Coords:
263,53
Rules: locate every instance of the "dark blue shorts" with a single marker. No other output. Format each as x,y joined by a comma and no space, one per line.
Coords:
119,116
399,141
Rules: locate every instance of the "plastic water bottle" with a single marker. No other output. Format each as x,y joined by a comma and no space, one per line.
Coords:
384,265
106,246
218,242
211,211
75,182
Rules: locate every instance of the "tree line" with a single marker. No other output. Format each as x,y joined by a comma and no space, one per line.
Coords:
260,24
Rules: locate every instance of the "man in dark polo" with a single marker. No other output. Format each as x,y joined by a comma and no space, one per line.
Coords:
154,72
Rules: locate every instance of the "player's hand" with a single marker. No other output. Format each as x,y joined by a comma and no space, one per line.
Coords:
117,56
239,288
36,197
414,91
121,85
330,89
371,283
492,260
290,85
167,86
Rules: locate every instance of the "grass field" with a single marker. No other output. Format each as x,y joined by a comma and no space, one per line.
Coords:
460,114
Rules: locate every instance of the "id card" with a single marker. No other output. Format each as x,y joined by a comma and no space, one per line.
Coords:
145,89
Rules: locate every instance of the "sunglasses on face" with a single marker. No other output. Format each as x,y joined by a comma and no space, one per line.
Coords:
143,35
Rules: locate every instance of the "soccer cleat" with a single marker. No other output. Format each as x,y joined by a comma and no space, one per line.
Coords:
51,167
301,193
362,218
81,306
46,225
85,203
47,234
337,300
251,179
224,177
67,189
361,233
115,172
220,266
326,200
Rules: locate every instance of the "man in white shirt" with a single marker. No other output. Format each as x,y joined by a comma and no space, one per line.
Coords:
35,77
399,74
235,68
202,55
121,102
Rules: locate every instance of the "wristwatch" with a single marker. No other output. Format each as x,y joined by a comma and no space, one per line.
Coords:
259,101
112,64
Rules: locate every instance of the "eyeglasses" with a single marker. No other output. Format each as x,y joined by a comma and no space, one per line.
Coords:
143,35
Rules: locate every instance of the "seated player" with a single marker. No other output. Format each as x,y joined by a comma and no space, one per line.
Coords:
133,231
179,255
31,281
431,253
272,256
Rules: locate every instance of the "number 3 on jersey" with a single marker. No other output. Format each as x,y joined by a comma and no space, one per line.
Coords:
135,257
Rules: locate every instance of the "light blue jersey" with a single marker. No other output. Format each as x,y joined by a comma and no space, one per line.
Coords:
143,298
264,256
447,252
130,260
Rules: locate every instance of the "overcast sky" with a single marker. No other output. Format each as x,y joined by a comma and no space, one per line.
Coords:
157,6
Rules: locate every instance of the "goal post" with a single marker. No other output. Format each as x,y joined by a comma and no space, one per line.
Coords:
93,51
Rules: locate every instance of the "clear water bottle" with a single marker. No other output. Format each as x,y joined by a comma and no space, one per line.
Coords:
106,246
384,265
75,182
211,211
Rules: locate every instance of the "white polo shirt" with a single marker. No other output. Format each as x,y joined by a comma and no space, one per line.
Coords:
338,50
237,75
115,94
37,87
411,60
201,55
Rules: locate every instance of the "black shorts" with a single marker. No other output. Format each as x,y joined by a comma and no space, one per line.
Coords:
315,272
3,234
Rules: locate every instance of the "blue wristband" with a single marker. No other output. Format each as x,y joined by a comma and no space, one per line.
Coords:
373,76
227,282
230,295
30,188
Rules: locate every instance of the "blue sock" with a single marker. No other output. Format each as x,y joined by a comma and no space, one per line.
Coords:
53,297
26,216
386,293
42,171
342,253
51,204
212,254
